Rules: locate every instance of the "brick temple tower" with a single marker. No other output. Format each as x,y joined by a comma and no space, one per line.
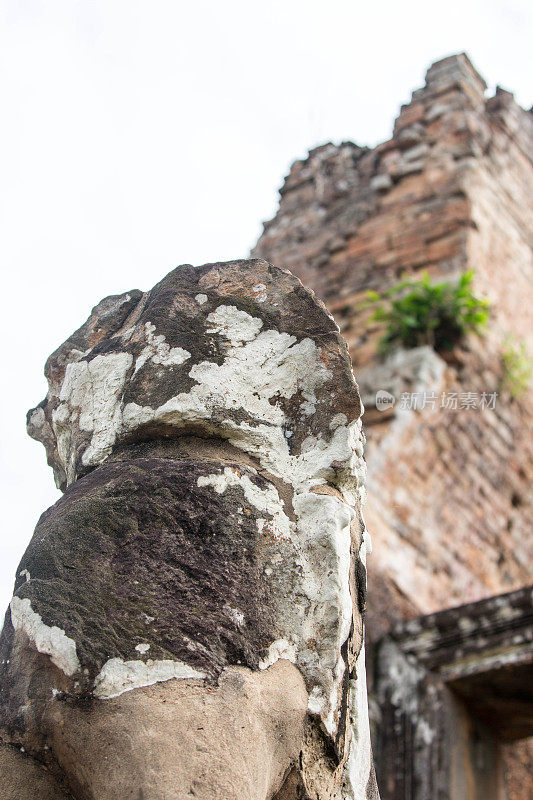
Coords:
450,503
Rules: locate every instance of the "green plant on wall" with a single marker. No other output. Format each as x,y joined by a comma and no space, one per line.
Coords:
517,366
419,312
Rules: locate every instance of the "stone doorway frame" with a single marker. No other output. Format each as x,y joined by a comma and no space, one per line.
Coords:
452,687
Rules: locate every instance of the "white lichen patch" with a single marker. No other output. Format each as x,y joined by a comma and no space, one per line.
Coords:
50,640
281,648
336,420
325,616
37,418
359,763
92,389
235,325
236,615
159,351
366,546
315,610
266,500
118,676
201,299
24,573
127,334
260,292
142,648
324,698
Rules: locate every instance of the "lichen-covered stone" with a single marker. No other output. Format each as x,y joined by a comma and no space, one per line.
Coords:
207,436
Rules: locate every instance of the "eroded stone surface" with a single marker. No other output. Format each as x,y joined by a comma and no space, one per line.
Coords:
25,779
185,739
208,439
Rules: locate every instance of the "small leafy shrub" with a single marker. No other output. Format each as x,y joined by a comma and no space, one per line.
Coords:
517,366
419,312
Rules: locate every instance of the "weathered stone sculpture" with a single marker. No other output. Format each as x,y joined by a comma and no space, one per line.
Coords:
187,619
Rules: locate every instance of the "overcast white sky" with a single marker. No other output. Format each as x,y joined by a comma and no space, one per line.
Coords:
139,135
